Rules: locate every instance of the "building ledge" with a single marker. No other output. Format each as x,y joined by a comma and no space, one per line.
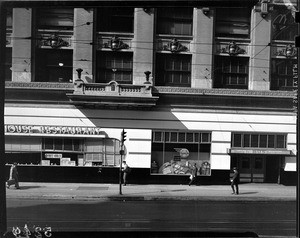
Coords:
223,92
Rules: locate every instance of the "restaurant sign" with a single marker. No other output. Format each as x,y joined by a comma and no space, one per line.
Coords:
50,130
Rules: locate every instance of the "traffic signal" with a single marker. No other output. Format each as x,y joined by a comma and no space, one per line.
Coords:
123,137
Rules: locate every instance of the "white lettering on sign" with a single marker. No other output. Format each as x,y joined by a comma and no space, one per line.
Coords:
57,130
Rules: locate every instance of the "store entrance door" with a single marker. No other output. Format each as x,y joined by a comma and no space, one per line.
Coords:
252,168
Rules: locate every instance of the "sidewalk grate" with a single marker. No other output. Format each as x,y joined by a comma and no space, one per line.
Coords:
91,188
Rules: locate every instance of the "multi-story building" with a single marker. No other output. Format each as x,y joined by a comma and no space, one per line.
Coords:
207,84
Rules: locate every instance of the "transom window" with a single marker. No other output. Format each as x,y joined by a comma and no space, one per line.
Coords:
282,74
173,70
115,19
181,137
175,21
247,140
233,22
231,72
114,66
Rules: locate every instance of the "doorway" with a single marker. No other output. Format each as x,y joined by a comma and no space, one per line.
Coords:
252,168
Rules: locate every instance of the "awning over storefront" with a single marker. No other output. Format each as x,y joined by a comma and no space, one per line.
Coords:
260,151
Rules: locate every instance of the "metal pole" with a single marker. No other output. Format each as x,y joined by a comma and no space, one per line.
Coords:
120,174
3,221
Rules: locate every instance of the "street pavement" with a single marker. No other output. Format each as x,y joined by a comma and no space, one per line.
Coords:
111,192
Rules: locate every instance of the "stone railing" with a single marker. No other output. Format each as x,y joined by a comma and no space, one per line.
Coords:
112,89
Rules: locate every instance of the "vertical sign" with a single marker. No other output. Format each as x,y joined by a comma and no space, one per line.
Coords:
295,86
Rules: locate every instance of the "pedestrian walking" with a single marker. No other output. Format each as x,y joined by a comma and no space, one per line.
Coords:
193,176
235,181
13,177
126,170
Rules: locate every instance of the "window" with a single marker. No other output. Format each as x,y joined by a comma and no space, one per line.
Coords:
282,74
231,72
54,65
114,66
173,70
175,21
115,19
176,152
246,140
55,19
283,24
233,22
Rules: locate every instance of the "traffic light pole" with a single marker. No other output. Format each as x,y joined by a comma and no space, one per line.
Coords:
120,171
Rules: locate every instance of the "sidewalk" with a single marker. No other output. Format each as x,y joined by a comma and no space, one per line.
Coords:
134,192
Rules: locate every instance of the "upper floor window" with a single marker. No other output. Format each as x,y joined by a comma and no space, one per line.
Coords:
282,74
55,18
231,72
175,21
54,65
233,22
115,19
173,70
115,66
283,24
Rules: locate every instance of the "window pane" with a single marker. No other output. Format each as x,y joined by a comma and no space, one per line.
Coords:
263,141
237,140
246,140
68,144
55,18
58,144
176,21
271,141
48,144
280,141
232,22
115,19
254,140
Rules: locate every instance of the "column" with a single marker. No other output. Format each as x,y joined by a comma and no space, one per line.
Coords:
83,47
142,44
21,45
202,49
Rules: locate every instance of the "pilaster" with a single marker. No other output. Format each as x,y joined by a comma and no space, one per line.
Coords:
201,48
142,44
83,47
259,63
21,45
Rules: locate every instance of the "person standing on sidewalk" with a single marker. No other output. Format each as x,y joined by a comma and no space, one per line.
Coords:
13,177
235,181
194,175
126,170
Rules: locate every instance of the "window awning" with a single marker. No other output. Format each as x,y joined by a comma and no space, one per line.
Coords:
259,151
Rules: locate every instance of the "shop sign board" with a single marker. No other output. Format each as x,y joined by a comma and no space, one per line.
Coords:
50,130
258,151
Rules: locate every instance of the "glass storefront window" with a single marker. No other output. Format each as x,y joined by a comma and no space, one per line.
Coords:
176,152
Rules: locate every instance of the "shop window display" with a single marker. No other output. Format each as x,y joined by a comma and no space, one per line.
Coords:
176,152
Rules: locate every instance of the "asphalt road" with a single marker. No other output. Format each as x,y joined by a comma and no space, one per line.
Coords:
267,219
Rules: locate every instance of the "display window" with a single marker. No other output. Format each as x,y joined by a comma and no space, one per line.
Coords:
176,152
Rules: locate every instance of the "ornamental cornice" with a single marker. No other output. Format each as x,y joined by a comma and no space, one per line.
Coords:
223,92
39,85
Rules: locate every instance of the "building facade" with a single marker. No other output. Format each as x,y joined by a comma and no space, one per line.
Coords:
211,85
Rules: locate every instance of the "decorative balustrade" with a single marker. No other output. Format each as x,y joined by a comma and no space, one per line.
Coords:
112,89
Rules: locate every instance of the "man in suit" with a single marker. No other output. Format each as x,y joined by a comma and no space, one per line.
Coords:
235,181
13,177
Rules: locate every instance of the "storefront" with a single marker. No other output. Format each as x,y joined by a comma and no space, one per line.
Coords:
260,158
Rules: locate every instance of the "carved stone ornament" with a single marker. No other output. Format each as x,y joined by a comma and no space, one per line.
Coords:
116,44
289,51
233,49
174,46
55,42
